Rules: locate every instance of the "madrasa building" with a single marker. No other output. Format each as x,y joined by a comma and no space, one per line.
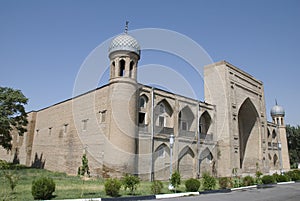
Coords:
128,127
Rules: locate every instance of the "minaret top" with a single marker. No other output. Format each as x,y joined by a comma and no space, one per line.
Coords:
277,110
125,42
126,27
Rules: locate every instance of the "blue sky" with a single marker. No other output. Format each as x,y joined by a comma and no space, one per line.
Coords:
44,43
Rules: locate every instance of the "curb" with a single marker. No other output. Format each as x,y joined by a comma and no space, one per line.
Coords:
288,182
175,195
146,197
216,191
244,187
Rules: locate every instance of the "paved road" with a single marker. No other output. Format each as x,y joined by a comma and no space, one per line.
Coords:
286,192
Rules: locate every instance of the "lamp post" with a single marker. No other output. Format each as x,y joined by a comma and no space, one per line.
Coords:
171,153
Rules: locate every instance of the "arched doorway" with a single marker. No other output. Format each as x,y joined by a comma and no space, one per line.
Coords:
206,162
161,158
248,135
186,162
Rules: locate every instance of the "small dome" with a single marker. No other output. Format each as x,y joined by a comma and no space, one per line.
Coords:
277,110
124,42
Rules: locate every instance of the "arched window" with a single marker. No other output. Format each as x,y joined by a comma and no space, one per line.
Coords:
112,69
122,68
142,102
131,68
274,134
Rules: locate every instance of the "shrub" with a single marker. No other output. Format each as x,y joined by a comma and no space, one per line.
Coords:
294,175
112,187
268,179
4,165
156,187
176,179
248,181
192,185
275,176
42,188
225,182
209,182
282,178
236,182
131,182
258,175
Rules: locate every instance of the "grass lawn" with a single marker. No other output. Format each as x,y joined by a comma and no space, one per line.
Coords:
67,187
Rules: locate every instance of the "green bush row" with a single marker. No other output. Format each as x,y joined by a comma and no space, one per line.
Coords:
43,187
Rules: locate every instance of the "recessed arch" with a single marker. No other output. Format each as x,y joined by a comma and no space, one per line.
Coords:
185,118
161,159
275,160
161,148
186,162
163,114
274,134
248,134
206,161
204,123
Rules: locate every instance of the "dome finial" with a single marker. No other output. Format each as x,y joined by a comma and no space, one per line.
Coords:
126,26
276,101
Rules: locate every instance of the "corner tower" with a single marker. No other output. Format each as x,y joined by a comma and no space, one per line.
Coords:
121,145
277,114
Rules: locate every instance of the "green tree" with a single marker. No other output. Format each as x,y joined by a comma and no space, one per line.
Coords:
12,115
84,169
175,179
293,137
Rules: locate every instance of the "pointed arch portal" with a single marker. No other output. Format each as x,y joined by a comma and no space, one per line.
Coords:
186,162
248,134
161,159
206,161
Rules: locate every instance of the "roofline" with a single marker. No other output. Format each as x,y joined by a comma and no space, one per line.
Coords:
60,102
224,62
163,90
